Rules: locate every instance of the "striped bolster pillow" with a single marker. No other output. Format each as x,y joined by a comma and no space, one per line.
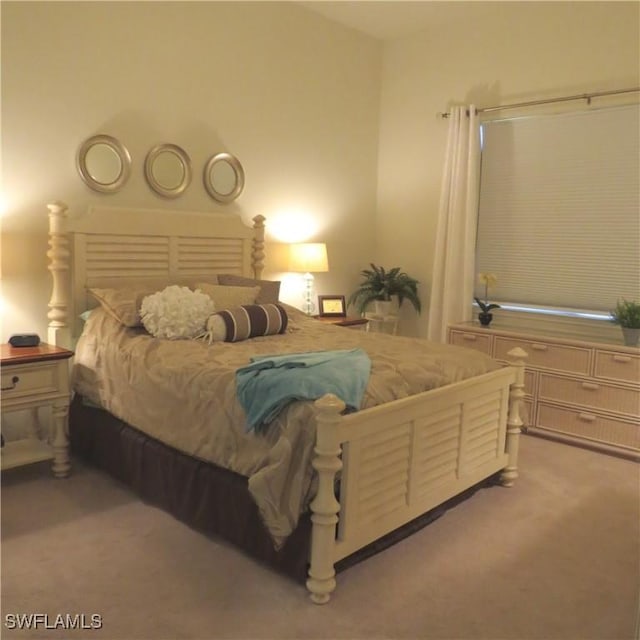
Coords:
247,321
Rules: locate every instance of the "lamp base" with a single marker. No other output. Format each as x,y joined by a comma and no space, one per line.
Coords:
308,306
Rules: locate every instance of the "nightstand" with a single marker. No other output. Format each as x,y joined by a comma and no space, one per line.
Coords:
33,377
353,322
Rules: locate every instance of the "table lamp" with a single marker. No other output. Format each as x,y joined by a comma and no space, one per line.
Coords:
308,258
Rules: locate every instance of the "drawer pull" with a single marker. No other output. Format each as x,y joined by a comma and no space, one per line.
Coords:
586,417
14,384
622,359
469,336
591,386
539,347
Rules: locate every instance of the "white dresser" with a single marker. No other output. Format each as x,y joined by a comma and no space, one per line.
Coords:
576,390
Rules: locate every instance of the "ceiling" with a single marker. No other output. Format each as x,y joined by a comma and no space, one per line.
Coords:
389,19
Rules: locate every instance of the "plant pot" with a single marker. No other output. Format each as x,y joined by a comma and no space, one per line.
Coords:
631,336
485,318
385,307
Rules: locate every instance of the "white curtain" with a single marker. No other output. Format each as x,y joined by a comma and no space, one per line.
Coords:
454,256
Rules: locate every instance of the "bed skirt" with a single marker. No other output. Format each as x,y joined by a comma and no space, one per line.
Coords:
212,500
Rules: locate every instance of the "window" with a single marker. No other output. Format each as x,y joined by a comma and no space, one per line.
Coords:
559,209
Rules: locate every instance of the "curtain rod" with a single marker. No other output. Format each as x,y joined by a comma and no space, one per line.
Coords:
583,96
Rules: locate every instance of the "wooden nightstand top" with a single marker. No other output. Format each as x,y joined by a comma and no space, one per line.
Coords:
21,355
342,321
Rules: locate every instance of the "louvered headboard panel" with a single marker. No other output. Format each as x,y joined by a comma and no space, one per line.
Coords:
109,247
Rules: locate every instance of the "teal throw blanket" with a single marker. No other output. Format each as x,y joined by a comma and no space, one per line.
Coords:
269,383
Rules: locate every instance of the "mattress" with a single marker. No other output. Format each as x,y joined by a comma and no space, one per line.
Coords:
183,394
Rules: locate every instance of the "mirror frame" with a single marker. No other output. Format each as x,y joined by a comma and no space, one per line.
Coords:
120,150
186,167
234,163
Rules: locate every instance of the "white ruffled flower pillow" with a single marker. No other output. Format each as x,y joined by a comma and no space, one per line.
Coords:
176,312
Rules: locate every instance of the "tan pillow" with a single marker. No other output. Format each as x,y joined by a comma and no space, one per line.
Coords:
225,297
269,289
122,304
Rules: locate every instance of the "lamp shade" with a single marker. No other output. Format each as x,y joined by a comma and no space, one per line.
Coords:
308,257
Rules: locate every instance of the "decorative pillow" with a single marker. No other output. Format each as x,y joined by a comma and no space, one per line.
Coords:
176,312
269,289
247,321
122,304
225,297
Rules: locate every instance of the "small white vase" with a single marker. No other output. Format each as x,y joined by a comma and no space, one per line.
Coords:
631,336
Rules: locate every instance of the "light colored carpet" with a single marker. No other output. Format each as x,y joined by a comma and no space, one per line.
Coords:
555,557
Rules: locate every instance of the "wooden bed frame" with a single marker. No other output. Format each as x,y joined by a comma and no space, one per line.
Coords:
397,461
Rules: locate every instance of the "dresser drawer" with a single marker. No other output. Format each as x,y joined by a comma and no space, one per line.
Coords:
526,413
591,426
547,355
530,381
29,381
588,393
617,366
472,340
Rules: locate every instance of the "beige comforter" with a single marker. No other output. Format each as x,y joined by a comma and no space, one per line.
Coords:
183,393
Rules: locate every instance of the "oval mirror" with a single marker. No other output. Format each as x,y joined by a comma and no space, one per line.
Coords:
223,177
104,163
167,168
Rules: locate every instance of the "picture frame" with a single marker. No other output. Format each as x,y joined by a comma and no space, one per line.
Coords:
332,307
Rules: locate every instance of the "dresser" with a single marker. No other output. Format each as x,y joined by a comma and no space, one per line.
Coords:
33,377
576,390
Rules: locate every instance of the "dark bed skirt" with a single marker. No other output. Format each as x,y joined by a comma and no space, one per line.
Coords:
208,498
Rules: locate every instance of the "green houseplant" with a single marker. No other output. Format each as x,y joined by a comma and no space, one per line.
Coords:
379,284
627,315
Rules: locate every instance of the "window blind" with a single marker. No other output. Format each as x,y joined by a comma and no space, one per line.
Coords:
559,209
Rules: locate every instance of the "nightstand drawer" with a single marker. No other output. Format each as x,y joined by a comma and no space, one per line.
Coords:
33,381
617,366
471,340
588,393
591,426
547,355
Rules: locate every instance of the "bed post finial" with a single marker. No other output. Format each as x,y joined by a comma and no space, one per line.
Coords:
325,507
514,422
58,254
257,253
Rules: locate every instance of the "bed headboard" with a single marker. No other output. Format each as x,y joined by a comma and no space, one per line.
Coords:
109,247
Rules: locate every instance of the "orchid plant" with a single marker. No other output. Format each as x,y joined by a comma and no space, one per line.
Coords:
488,280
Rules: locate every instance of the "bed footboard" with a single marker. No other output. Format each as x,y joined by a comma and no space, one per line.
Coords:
404,458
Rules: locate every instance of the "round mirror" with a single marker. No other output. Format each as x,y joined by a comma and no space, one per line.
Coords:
168,170
223,177
104,163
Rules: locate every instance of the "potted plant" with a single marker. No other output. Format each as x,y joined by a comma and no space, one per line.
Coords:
485,316
627,315
380,285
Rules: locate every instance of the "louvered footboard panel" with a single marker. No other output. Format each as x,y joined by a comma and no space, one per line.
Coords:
401,468
482,439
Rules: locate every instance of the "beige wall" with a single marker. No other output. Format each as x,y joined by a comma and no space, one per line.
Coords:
302,102
489,54
294,96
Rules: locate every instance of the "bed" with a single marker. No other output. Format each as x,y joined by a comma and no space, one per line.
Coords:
327,484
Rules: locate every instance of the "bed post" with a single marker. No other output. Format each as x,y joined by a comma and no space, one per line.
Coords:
257,252
514,422
325,507
58,330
